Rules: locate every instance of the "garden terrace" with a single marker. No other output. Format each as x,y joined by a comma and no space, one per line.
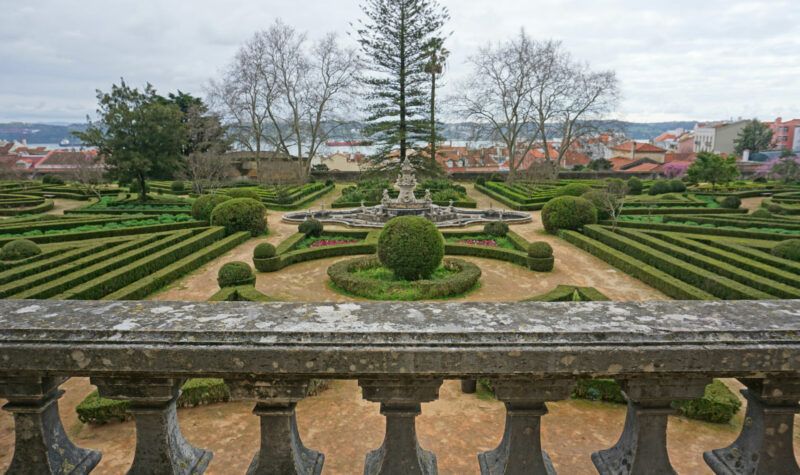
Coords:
285,197
533,353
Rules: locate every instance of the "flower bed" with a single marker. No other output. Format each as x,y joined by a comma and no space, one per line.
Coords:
479,242
332,242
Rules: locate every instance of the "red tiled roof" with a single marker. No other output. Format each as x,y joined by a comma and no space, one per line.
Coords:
618,162
644,167
640,147
679,157
664,137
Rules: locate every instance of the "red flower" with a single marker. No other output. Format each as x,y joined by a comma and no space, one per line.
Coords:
479,242
327,242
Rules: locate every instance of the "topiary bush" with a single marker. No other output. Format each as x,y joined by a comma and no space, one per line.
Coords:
660,187
761,213
235,273
241,214
19,249
567,212
311,227
573,189
677,186
411,247
52,180
243,193
480,181
264,250
540,249
178,187
788,249
540,256
717,405
635,186
496,228
598,199
204,205
730,202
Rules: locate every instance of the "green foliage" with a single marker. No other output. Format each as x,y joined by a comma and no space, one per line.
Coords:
755,136
573,189
786,169
52,180
635,186
712,168
311,227
540,249
567,212
204,205
480,181
264,250
761,213
140,134
569,293
411,247
242,293
718,404
243,193
677,186
178,187
730,202
235,273
19,249
788,249
496,228
606,390
600,164
660,187
241,214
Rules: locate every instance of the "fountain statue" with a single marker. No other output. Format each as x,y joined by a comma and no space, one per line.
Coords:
407,204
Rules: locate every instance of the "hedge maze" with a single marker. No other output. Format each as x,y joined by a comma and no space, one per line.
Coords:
107,257
285,197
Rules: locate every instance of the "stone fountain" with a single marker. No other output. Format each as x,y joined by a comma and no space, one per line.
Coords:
407,204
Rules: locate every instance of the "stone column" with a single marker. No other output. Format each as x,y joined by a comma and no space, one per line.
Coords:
642,447
400,453
520,450
282,451
160,445
765,444
41,445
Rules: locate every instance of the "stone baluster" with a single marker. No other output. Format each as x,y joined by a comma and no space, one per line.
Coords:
282,451
642,447
41,445
160,445
520,450
765,445
400,453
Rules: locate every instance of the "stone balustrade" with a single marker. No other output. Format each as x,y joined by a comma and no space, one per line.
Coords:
400,352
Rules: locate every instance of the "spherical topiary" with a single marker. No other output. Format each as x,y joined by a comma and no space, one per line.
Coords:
178,187
241,214
567,212
788,249
496,228
311,227
540,249
411,247
761,213
264,250
235,273
635,186
204,205
243,193
19,249
677,186
598,199
659,188
730,202
573,189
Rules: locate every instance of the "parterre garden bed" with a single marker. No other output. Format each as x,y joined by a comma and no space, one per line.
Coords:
285,197
371,193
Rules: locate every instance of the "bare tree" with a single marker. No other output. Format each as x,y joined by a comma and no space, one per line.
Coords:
292,94
498,93
88,171
206,165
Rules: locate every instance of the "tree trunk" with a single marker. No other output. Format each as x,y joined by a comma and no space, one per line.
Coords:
433,113
142,189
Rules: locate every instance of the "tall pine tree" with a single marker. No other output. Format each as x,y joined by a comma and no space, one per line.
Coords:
395,37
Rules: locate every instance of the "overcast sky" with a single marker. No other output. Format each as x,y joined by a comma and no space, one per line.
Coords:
676,59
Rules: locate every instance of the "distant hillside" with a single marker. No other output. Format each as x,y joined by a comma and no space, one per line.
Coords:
39,133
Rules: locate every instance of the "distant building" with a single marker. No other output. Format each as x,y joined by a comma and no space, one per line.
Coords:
785,135
638,150
686,143
669,140
718,137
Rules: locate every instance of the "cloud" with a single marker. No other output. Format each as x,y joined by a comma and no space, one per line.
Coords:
676,59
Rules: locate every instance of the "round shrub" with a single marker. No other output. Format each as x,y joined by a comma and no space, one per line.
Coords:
204,205
241,214
660,187
677,186
730,202
329,182
775,209
573,189
567,212
540,249
243,193
598,199
788,249
19,249
178,187
635,186
496,228
761,214
311,227
480,181
264,250
235,273
52,180
411,247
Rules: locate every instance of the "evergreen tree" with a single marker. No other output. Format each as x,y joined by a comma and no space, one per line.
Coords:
755,136
396,38
712,168
437,56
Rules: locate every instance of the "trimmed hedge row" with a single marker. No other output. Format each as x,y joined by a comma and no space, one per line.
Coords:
677,210
687,229
566,293
47,205
242,293
107,233
195,392
287,254
526,205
